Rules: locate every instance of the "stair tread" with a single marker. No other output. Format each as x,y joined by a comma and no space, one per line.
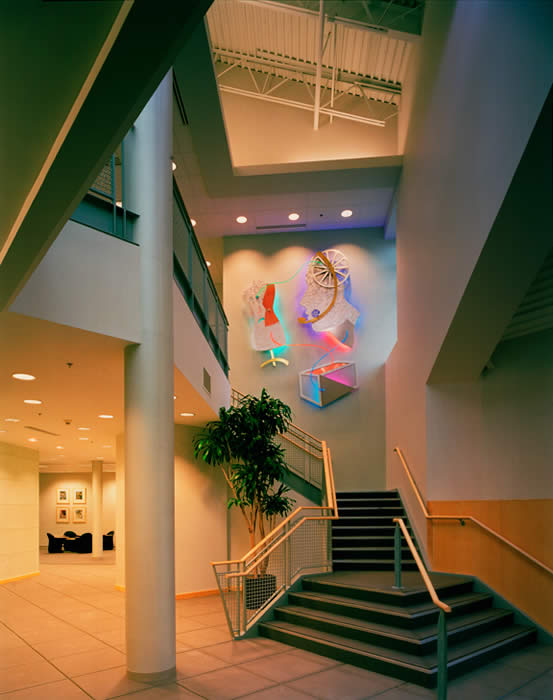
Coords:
417,635
427,663
405,611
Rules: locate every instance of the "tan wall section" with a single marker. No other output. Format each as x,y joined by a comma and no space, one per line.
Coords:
18,511
471,550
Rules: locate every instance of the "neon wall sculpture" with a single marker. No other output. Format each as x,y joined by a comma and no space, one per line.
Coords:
327,313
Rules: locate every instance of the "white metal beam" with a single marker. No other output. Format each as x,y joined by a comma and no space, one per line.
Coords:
317,106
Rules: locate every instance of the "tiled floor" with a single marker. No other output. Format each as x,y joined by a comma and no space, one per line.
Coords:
62,638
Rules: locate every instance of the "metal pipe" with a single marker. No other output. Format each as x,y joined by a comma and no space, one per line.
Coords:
317,106
397,557
442,656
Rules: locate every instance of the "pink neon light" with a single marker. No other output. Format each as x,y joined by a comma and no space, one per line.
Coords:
302,345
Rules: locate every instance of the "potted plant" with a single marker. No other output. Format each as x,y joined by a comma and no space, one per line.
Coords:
242,443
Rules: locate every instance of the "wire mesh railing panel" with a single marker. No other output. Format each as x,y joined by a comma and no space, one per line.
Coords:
301,459
310,549
104,183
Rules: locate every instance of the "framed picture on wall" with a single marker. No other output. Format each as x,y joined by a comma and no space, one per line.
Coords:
62,496
79,515
62,514
79,496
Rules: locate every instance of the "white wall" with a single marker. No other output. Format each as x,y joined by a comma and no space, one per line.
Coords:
87,280
200,517
353,426
18,511
468,132
49,483
192,353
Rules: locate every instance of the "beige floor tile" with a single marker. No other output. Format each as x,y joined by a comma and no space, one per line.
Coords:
204,637
166,692
400,693
62,690
89,661
282,667
44,633
109,684
194,662
279,692
188,624
238,652
225,684
18,656
309,656
28,675
213,619
72,644
341,684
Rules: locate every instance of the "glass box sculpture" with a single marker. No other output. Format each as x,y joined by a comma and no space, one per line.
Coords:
328,383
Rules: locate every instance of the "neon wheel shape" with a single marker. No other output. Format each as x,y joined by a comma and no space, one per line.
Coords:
322,274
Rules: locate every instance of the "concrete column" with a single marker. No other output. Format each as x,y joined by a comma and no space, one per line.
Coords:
149,432
97,508
120,513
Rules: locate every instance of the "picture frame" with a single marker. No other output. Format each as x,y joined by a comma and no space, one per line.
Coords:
62,514
79,496
79,514
62,496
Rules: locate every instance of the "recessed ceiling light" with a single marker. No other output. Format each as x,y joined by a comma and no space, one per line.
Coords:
193,222
83,438
119,204
59,447
83,428
346,213
174,396
241,219
293,217
208,263
186,415
33,401
24,377
105,415
12,420
32,439
173,165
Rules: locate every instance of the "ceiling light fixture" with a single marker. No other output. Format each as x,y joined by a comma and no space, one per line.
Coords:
173,165
12,420
23,377
187,415
208,263
241,219
193,222
105,415
59,447
32,401
83,438
119,204
32,439
346,213
83,428
293,216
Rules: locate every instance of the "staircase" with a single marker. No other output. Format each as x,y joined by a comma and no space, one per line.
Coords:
355,616
363,536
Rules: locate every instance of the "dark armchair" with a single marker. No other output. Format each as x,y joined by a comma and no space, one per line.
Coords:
55,544
83,544
108,540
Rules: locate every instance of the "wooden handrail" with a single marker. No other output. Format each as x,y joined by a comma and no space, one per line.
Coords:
462,518
422,568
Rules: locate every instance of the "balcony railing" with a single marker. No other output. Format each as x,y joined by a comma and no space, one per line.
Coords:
194,280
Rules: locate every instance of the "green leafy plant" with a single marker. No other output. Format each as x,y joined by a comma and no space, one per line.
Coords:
242,443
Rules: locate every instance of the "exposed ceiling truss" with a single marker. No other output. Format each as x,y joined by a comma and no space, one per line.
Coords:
336,66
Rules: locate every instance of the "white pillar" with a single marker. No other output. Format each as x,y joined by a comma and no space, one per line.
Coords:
149,430
119,539
97,508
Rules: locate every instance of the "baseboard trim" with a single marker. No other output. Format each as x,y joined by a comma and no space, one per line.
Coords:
19,578
160,676
183,596
197,594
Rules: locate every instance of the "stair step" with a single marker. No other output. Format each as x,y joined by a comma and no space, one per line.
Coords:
340,553
345,495
408,667
419,641
368,502
406,616
346,530
416,594
364,521
370,565
367,511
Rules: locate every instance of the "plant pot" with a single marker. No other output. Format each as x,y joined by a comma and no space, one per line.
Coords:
259,589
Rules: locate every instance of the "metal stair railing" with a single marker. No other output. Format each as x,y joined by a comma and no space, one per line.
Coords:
301,544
